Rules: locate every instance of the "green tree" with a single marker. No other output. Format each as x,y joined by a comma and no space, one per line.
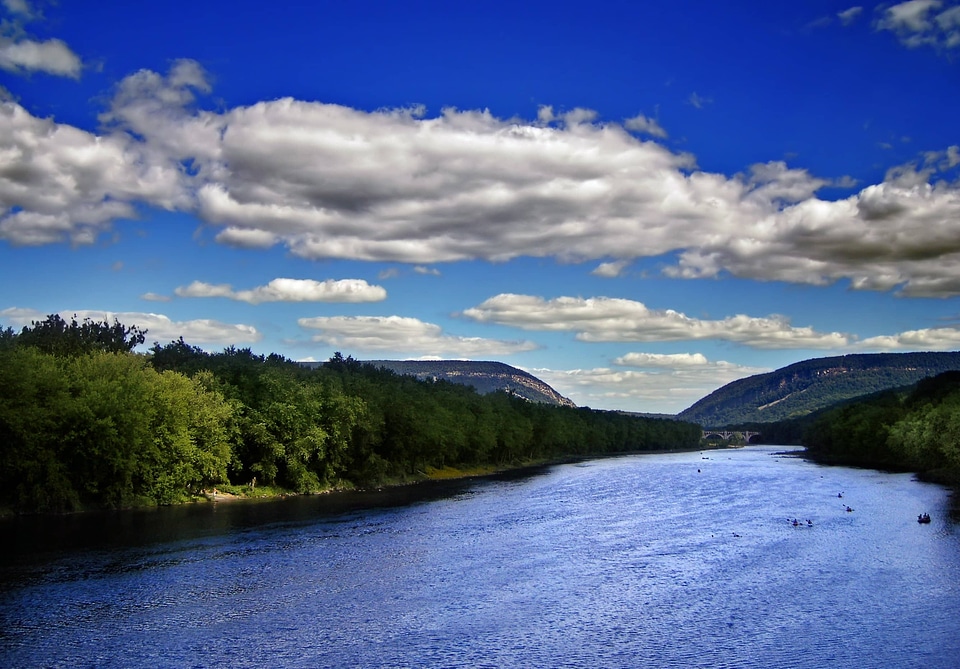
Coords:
33,390
192,429
56,336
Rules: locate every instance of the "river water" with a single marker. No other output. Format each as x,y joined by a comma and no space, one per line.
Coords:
667,560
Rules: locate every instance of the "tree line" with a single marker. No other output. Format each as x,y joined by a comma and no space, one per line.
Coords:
915,429
86,422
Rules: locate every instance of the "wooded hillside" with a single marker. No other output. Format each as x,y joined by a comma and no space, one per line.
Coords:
916,429
804,387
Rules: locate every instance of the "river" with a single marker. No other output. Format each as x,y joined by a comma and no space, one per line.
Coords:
664,560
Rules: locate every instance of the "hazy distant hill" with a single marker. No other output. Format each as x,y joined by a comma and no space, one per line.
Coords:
486,377
806,386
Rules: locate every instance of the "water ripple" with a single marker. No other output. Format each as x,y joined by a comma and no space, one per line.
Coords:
664,561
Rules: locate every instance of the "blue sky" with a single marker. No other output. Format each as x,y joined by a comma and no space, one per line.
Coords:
638,202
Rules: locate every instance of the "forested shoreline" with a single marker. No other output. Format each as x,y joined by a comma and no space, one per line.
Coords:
915,429
85,422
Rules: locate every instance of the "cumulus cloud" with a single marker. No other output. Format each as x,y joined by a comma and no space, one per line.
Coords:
52,56
21,7
24,55
159,327
60,183
928,339
665,383
901,234
606,319
610,270
649,126
663,360
407,336
397,185
923,23
291,290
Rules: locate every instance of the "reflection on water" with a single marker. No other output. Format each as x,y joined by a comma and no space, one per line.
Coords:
686,560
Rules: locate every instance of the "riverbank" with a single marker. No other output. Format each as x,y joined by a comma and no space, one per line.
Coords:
233,493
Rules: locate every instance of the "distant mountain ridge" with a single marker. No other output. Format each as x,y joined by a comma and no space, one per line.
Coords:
485,377
804,387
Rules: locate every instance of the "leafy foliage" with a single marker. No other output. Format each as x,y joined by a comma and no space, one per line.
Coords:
56,336
105,429
84,425
916,429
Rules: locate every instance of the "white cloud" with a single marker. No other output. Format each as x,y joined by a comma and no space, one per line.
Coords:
408,336
22,54
848,16
929,339
641,123
431,271
328,181
61,183
52,56
155,297
605,319
610,270
291,290
699,101
389,273
21,7
901,234
660,384
663,360
921,23
159,327
17,317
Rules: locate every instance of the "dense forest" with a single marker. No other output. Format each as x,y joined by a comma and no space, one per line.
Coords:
805,387
86,422
915,429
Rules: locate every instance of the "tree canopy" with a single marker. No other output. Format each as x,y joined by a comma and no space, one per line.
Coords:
56,336
86,422
916,429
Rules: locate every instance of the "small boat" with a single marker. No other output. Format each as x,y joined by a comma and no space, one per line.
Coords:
923,518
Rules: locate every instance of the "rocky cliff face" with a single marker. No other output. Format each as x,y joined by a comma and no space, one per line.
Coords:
485,377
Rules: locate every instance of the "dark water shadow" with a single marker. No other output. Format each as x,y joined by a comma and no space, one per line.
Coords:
34,538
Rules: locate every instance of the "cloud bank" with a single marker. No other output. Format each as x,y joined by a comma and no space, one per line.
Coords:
396,185
607,319
408,336
290,290
660,382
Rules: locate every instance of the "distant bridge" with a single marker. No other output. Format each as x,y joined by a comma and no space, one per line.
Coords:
730,435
